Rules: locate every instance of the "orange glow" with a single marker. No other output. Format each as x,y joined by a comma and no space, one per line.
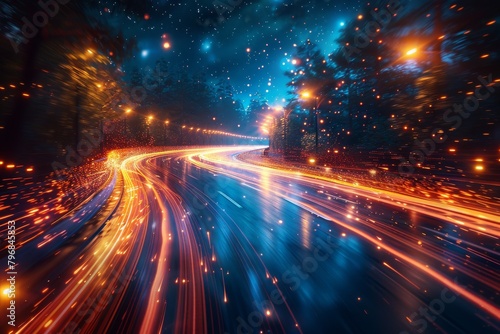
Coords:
166,45
114,250
411,52
306,95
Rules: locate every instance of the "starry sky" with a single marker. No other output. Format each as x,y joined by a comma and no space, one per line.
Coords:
249,43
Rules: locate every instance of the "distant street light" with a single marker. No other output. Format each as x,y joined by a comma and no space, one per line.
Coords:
419,52
306,95
411,52
182,135
128,111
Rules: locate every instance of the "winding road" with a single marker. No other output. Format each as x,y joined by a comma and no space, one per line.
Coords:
194,240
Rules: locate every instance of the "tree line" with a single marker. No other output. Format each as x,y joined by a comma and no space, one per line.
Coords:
63,78
400,76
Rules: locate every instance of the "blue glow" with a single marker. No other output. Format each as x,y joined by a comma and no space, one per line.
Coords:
206,45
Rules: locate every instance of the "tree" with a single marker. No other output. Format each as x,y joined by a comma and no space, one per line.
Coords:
255,114
228,113
312,83
64,67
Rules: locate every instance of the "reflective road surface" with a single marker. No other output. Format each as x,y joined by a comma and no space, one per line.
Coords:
196,241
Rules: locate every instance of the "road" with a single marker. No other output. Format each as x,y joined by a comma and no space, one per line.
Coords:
194,240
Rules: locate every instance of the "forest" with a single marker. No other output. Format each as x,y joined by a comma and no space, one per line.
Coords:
403,75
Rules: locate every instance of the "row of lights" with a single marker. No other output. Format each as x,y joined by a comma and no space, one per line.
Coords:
206,131
12,166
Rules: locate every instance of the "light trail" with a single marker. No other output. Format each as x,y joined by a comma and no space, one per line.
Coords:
177,243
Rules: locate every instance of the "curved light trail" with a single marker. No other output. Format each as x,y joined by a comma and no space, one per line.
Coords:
195,240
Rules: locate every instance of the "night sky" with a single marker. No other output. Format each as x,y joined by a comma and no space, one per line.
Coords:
250,43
